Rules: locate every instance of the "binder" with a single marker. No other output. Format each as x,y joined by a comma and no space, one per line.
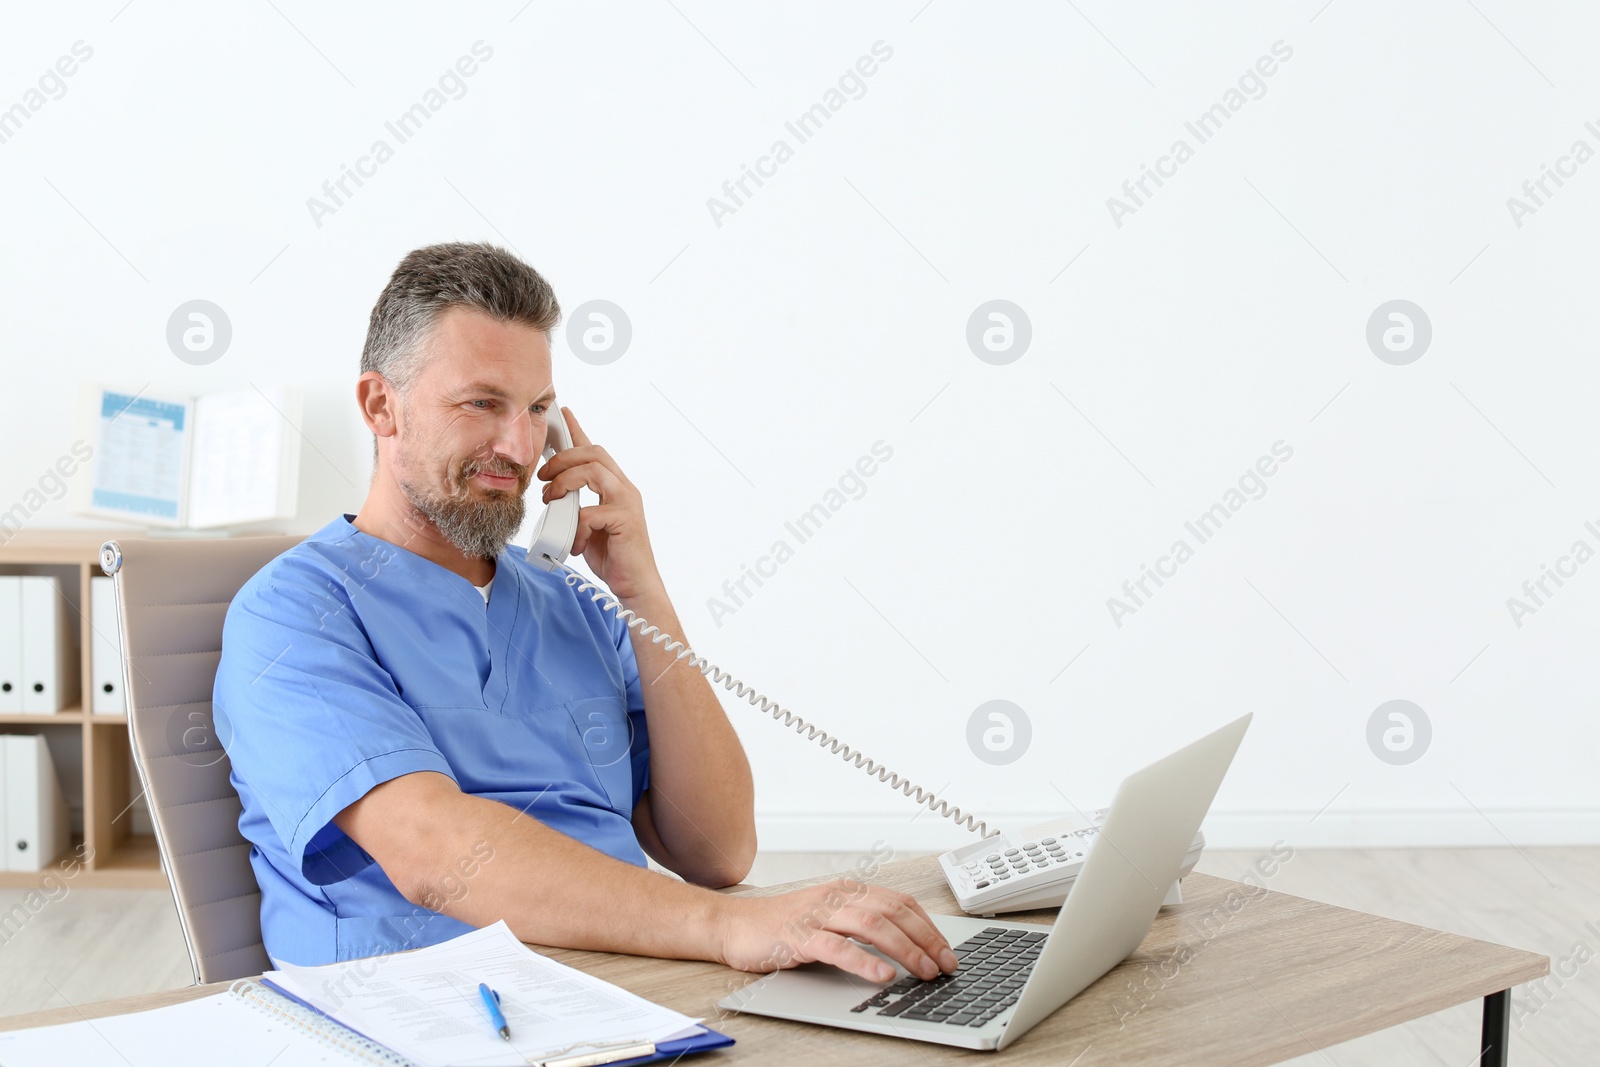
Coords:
48,682
105,659
35,811
10,643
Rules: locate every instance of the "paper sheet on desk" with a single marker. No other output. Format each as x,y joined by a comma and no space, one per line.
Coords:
425,1004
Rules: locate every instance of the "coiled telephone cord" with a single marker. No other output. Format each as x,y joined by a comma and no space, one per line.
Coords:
681,652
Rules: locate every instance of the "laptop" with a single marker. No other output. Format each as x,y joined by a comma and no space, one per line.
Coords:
1012,975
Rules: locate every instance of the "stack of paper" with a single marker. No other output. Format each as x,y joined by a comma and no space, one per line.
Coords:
425,1005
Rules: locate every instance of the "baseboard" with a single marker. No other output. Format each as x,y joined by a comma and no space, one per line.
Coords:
793,832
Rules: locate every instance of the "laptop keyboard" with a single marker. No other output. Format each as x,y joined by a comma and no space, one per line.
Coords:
994,966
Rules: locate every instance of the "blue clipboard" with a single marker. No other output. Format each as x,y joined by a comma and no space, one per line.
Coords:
704,1041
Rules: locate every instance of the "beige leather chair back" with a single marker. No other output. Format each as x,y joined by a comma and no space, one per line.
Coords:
172,596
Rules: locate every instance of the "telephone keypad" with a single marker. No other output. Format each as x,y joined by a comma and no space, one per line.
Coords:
998,867
1025,858
1043,865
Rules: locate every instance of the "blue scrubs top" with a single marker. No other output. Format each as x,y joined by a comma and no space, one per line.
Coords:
348,661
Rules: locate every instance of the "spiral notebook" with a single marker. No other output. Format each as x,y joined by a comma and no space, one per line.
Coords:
208,1030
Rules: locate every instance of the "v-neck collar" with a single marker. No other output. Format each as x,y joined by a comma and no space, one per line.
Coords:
496,622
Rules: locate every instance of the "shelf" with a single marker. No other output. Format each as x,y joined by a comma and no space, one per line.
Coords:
63,717
71,716
60,546
134,864
108,787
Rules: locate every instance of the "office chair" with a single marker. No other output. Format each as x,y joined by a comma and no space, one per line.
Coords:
171,600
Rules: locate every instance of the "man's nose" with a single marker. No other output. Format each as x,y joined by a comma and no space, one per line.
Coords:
521,439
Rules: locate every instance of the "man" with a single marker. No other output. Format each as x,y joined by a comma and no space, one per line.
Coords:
429,734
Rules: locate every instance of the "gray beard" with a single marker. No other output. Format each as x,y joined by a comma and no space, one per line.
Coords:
481,529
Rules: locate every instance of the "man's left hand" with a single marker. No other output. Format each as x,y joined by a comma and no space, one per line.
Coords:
611,535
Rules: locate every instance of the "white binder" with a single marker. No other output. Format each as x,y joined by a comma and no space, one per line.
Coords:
10,643
36,826
49,682
105,662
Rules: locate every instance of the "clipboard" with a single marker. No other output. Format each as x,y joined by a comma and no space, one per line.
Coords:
705,1041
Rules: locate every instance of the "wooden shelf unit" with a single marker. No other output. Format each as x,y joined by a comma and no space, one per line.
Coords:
116,857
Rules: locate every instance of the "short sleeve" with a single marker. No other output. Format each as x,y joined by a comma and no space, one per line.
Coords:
309,718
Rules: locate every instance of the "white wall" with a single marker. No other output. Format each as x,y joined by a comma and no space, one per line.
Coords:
1228,312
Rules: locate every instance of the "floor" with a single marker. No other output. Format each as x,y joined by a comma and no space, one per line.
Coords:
93,944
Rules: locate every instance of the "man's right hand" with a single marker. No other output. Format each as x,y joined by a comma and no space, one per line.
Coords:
554,890
806,925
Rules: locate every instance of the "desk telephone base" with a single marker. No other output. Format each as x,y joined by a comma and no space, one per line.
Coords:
1035,867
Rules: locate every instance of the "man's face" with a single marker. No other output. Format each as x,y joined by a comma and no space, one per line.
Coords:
472,428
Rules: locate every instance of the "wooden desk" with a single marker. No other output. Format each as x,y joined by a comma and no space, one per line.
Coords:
1235,975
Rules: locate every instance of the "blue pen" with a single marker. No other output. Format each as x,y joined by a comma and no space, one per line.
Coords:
491,1000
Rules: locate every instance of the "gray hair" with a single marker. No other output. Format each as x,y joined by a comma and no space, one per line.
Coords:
430,281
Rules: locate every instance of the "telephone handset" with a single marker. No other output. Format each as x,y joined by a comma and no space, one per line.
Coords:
558,524
982,884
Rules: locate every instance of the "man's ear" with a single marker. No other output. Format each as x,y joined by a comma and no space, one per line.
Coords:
379,403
